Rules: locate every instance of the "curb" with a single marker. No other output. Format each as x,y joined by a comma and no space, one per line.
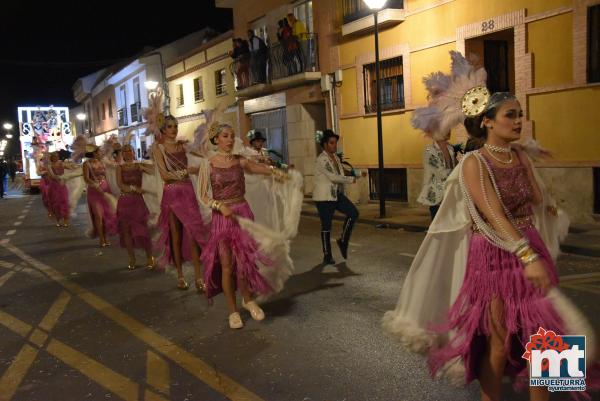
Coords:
565,248
376,223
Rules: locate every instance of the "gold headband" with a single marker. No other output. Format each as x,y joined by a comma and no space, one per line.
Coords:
212,130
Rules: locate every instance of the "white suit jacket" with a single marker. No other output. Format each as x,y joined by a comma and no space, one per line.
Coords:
327,181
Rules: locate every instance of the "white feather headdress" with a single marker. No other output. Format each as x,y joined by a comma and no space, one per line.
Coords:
207,130
80,147
153,113
446,94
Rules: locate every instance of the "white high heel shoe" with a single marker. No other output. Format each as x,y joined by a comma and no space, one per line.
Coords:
255,311
235,321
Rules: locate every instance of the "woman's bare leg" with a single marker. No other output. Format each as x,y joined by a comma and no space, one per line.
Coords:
129,245
176,231
227,277
494,360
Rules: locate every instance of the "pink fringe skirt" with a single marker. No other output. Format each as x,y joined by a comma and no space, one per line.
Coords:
59,199
45,192
495,274
132,213
226,235
179,199
97,203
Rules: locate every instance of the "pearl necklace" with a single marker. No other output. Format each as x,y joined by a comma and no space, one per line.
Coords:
227,156
491,149
498,149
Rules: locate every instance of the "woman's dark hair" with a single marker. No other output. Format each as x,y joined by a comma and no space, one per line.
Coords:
327,134
90,155
474,125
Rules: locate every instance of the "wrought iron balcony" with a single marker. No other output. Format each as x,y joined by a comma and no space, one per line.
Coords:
136,112
122,114
285,58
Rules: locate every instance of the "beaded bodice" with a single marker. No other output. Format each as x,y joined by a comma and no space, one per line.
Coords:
98,171
515,189
177,160
227,183
131,176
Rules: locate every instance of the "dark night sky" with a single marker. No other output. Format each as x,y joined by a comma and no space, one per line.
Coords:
43,51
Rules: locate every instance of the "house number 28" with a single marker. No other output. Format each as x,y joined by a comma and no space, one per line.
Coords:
487,25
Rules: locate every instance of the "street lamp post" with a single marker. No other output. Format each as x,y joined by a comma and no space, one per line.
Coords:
376,6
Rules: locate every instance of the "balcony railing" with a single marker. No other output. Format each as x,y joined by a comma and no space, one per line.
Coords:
285,58
122,114
356,9
136,112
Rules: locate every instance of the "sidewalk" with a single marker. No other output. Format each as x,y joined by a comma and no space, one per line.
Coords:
583,239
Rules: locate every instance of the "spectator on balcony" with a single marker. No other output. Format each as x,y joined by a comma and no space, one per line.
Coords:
298,28
258,57
291,46
284,32
241,55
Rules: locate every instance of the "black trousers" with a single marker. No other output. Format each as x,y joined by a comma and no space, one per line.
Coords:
433,211
327,209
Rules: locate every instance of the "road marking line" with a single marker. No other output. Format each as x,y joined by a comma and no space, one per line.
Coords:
14,324
11,232
21,217
55,311
18,223
12,377
38,337
582,287
578,277
150,396
107,378
188,361
157,373
4,278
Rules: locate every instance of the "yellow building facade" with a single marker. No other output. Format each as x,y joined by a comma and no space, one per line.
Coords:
537,49
199,81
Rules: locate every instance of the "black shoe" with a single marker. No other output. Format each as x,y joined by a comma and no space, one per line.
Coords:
326,243
345,237
343,248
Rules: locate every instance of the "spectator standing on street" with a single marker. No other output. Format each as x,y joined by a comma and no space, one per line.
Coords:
3,172
12,169
438,161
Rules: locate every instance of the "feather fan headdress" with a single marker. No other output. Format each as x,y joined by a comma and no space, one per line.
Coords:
111,145
80,147
452,97
153,113
206,131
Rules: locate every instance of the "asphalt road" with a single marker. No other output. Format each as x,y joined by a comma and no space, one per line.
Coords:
75,324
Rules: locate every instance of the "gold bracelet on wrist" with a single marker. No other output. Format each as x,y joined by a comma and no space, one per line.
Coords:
528,256
529,260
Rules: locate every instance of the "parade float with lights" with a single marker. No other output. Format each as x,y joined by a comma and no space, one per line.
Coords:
42,130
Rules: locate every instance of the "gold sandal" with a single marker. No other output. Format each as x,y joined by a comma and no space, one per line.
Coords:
200,285
182,284
151,263
131,265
